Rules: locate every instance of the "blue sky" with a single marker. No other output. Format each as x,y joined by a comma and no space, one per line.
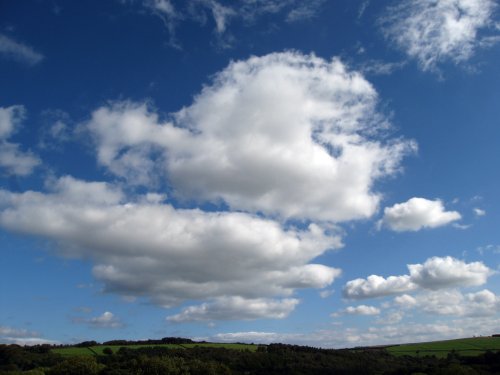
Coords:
320,173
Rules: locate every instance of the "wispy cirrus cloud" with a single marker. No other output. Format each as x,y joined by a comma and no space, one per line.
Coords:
12,49
436,31
223,13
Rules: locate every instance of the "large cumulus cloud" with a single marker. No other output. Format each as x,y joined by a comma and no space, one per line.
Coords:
285,134
147,248
273,138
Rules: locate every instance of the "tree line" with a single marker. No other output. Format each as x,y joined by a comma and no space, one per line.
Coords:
267,360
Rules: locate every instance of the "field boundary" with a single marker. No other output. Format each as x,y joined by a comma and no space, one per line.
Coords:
466,346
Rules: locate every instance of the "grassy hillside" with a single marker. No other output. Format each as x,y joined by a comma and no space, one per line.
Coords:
467,347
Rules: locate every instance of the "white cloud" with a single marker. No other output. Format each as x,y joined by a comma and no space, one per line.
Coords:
453,302
326,293
405,301
18,51
227,308
393,317
28,341
394,328
417,213
10,119
304,10
362,8
12,159
292,10
495,249
479,212
489,41
15,332
56,130
443,302
10,335
361,310
143,248
106,320
166,11
245,11
220,13
377,286
350,337
162,6
285,134
248,337
434,31
435,273
378,67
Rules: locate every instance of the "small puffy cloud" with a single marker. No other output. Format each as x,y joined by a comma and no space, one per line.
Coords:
287,135
106,320
435,273
180,254
479,212
227,308
377,286
417,213
405,301
20,52
10,118
361,310
433,32
12,159
326,293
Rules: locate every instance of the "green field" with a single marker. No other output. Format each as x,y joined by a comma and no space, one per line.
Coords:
469,346
98,349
